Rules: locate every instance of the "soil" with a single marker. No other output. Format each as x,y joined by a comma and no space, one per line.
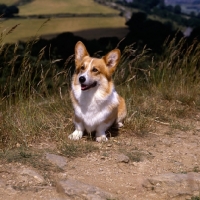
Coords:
120,167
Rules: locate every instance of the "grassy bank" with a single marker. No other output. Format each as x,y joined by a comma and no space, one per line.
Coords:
28,27
62,6
35,104
38,7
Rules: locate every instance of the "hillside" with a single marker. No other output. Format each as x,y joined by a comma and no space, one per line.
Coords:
37,7
99,18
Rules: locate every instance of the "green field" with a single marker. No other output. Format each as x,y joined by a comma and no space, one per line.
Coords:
60,6
63,6
29,27
79,25
8,2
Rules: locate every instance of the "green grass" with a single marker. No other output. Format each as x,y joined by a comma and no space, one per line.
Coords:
28,27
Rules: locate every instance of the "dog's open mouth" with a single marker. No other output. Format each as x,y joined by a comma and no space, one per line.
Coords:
86,87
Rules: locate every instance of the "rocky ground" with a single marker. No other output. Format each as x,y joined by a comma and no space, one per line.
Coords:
164,164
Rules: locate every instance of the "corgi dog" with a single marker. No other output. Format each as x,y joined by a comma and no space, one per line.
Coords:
96,103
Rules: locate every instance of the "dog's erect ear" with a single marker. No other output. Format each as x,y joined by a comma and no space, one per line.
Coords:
80,51
112,59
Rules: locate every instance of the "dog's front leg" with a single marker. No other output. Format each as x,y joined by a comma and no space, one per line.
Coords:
101,133
78,133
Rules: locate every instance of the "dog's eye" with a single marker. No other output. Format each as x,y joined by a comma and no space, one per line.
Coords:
94,69
82,67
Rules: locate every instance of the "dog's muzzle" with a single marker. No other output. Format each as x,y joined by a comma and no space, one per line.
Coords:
82,79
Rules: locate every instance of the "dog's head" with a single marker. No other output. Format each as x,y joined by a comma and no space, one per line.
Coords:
91,72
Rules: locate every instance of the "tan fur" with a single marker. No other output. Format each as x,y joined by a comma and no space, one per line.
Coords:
121,109
96,103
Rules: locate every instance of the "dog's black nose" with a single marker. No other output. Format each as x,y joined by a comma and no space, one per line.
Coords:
82,79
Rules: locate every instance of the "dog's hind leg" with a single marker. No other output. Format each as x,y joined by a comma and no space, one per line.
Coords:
121,113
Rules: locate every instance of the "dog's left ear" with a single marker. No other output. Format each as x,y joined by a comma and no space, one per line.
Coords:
112,59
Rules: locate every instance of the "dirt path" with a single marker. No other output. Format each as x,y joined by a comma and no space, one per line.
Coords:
165,164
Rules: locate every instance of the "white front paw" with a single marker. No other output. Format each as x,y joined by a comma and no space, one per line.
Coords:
76,135
101,138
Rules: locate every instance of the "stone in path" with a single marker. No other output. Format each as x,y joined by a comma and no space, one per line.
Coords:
174,185
33,174
122,158
78,190
60,161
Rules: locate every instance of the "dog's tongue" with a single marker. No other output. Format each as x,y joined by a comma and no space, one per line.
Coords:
83,87
86,87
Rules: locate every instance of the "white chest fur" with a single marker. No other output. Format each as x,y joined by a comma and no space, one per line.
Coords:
93,107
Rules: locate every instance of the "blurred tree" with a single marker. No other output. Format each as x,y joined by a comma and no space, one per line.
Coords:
162,4
177,9
195,34
149,3
8,11
144,31
192,14
2,8
137,19
170,8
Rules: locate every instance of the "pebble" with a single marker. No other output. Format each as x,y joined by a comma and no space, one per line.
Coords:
60,161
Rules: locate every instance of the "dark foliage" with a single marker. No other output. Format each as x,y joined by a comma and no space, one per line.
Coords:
8,11
148,32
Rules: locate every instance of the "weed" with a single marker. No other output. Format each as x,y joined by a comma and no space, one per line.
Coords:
77,149
135,155
196,169
180,126
110,199
28,156
195,198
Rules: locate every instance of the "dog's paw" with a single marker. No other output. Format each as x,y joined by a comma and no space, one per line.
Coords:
101,138
76,135
117,125
120,124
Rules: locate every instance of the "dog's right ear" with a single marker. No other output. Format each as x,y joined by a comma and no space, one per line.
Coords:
80,52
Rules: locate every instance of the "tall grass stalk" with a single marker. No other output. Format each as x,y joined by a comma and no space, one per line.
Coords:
34,97
160,87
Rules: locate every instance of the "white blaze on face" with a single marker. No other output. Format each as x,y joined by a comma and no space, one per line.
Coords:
90,65
86,73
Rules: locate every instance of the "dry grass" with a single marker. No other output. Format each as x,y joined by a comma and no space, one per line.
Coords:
162,89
